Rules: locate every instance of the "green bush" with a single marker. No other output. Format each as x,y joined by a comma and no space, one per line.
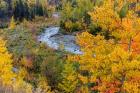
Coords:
76,13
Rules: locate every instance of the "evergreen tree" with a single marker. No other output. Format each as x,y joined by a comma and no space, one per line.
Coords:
69,79
12,25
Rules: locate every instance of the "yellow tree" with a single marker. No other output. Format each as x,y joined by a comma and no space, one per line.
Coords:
107,65
120,22
12,24
104,16
69,81
111,65
8,78
6,74
43,86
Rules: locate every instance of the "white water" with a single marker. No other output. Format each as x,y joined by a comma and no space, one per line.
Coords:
54,39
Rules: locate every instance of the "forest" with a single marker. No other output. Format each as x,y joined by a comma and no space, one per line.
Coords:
69,46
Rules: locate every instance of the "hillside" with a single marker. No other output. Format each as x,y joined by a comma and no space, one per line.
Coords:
69,46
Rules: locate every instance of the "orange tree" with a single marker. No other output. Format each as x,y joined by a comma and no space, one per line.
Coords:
111,65
106,66
118,20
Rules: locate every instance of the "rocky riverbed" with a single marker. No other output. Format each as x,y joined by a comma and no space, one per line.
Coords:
56,40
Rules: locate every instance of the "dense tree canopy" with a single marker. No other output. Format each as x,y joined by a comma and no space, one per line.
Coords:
111,64
106,32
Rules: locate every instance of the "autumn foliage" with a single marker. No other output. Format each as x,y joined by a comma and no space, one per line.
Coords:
5,64
108,35
120,21
107,64
111,65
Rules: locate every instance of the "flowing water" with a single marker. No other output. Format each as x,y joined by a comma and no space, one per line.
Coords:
56,40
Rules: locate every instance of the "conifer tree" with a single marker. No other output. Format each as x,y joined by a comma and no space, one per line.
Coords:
69,79
12,24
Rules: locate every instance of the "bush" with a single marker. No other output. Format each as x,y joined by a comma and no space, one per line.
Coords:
75,14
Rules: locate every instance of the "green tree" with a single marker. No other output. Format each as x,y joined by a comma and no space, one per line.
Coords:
3,8
3,5
75,14
69,79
